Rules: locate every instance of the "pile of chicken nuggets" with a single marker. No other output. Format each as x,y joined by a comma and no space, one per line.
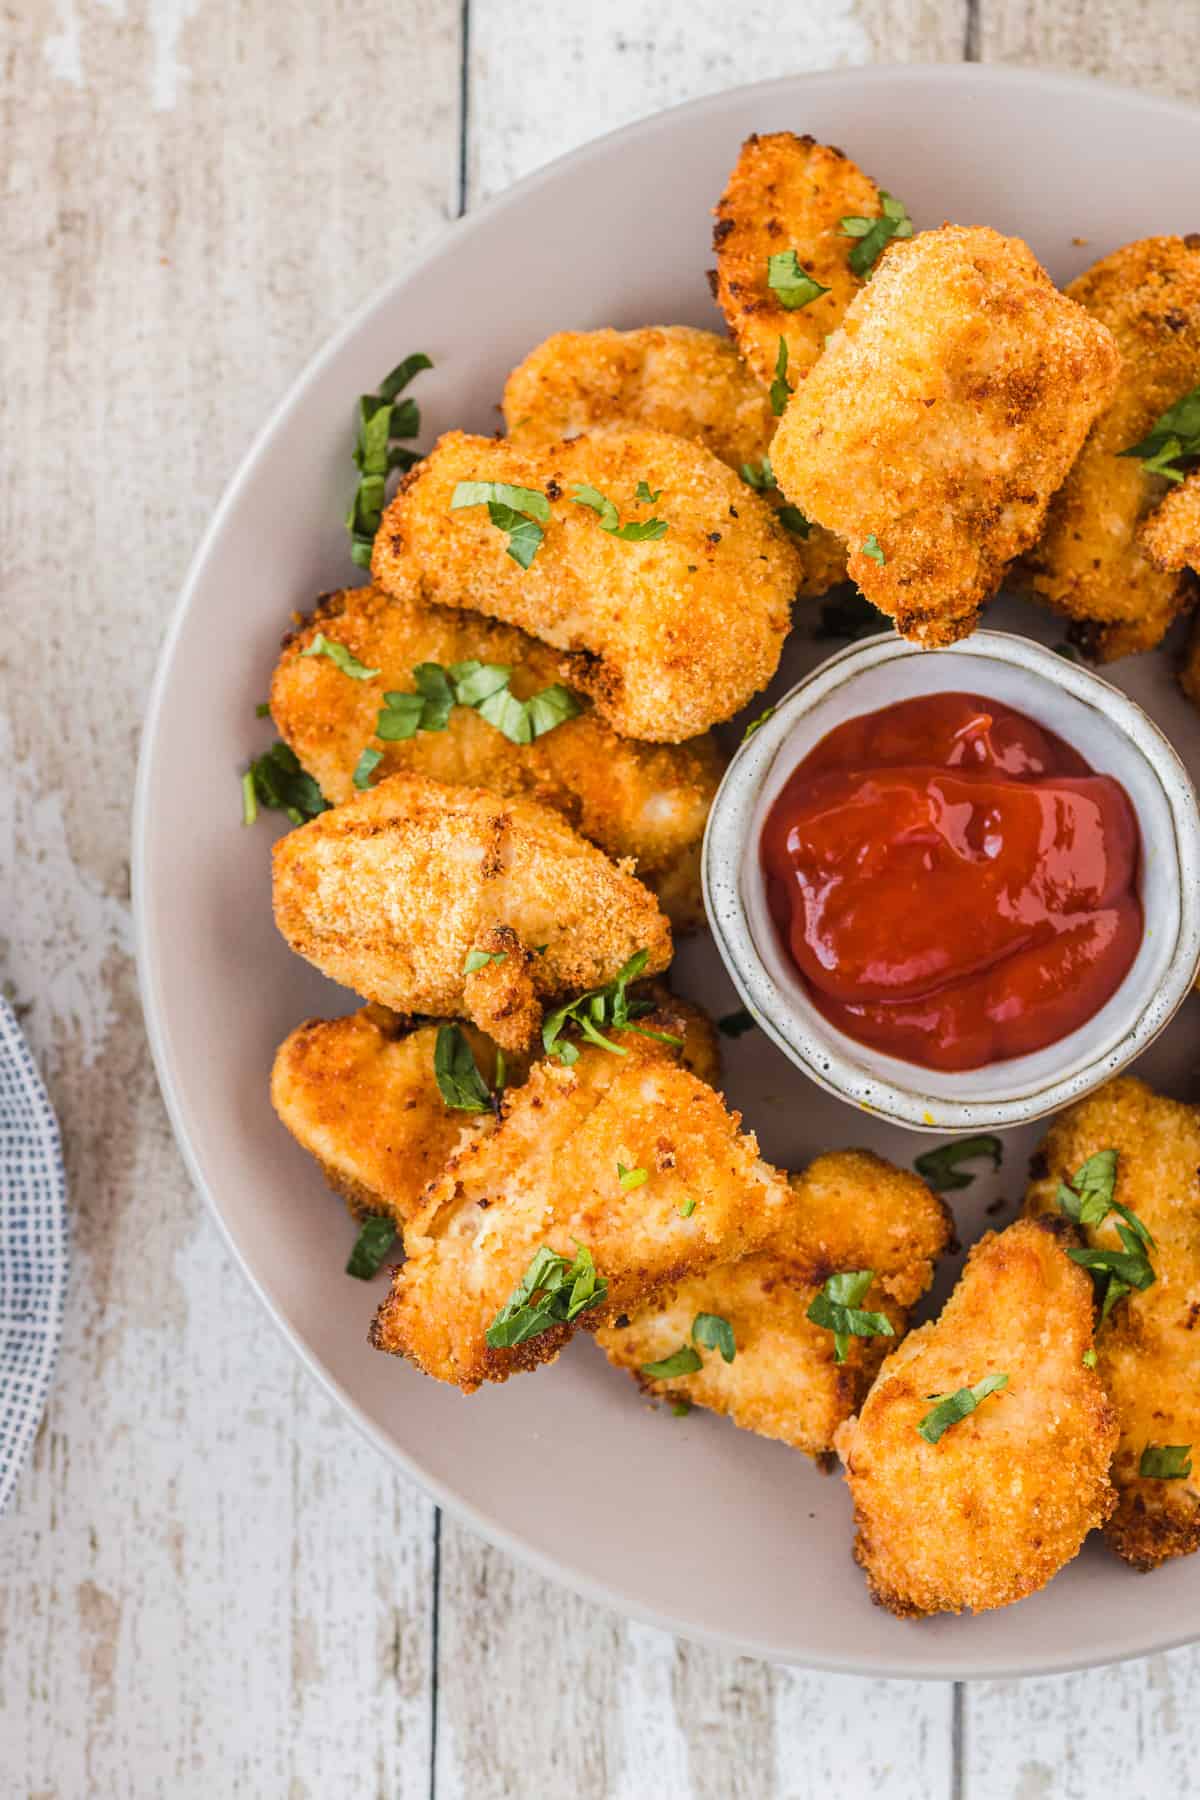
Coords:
498,756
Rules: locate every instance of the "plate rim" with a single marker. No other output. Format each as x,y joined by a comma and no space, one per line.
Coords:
147,947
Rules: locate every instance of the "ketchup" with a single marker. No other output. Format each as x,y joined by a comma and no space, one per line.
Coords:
954,883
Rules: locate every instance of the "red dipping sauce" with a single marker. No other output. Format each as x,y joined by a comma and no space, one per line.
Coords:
954,883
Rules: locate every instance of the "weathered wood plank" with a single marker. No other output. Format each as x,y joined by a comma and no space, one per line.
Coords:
1142,43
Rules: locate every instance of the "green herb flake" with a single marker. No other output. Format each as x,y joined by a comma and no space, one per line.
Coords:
735,1024
1174,438
686,1208
457,1073
631,1178
1088,1199
642,492
249,799
874,235
715,1333
552,1292
940,1167
793,520
754,724
1089,1359
1166,1462
780,391
479,959
609,1007
680,1408
376,1237
481,686
263,710
790,282
683,1361
340,657
874,550
279,784
759,476
836,1308
366,766
636,531
951,1408
521,512
381,421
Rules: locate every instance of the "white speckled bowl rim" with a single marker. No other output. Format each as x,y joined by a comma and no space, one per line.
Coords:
902,1092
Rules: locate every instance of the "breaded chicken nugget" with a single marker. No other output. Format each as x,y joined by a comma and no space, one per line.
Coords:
1090,564
943,415
1149,1345
644,801
670,378
606,1156
787,193
1005,1496
360,1094
850,1211
392,894
1170,535
668,635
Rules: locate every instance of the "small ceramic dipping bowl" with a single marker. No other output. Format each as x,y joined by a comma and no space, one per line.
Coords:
1116,738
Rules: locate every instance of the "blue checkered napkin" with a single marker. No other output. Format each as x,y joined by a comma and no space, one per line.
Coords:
33,1249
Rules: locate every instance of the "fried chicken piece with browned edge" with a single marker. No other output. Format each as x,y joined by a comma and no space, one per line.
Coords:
394,892
1005,1496
940,420
1170,535
850,1210
1148,1347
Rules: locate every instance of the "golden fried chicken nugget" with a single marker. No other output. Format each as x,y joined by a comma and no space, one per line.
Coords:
360,1095
671,378
787,193
1170,535
850,1211
940,420
391,893
645,801
668,635
1090,564
1006,1496
608,1154
1149,1345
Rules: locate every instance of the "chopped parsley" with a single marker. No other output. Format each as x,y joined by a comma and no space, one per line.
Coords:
482,686
790,282
1089,1359
951,1408
275,780
1166,1462
836,1308
642,492
680,1408
735,1024
457,1073
382,418
340,656
366,766
874,235
715,1333
687,1208
375,1239
684,1361
1172,439
851,616
636,531
874,550
793,520
1087,1201
520,511
631,1178
479,959
552,1291
754,724
609,1006
780,391
760,476
263,710
940,1167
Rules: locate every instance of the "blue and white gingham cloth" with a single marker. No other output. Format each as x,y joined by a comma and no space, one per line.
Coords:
33,1249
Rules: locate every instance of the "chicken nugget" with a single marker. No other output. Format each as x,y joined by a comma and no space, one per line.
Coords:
940,420
1170,535
667,635
979,1461
1148,1346
671,378
850,1211
788,193
395,893
623,1168
644,801
1091,564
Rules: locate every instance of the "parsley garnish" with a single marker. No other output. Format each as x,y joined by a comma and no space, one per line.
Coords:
636,531
760,476
1087,1201
263,710
1166,1462
951,1408
754,724
851,616
874,550
1089,1198
680,1408
380,420
631,1178
520,511
790,283
780,391
734,1024
715,1333
875,234
687,1208
457,1073
276,781
338,654
479,959
1089,1359
372,1244
792,519
642,492
366,766
836,1308
608,1006
1173,438
684,1361
940,1167
482,686
551,1292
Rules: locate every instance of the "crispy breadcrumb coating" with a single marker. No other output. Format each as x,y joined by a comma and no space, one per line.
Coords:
1006,1497
390,893
1170,535
645,801
1090,564
667,636
787,193
671,378
1149,1346
940,420
548,1177
850,1210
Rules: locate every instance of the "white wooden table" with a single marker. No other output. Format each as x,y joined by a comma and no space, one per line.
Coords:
209,1585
